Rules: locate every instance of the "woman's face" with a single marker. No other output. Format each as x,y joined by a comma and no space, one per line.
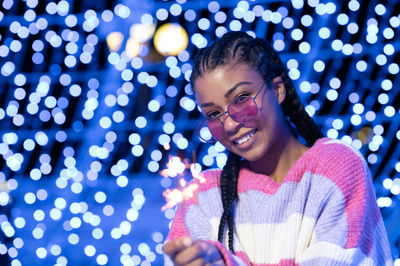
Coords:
254,140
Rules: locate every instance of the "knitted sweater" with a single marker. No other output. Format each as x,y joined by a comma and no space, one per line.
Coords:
323,213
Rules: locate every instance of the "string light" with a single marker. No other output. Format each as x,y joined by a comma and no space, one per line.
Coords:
92,108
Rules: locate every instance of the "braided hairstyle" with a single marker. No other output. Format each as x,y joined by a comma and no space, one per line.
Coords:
240,48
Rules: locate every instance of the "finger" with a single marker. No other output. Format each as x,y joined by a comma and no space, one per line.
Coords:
173,247
202,250
210,252
197,262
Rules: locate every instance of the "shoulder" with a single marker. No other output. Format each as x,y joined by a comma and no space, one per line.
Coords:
340,163
336,153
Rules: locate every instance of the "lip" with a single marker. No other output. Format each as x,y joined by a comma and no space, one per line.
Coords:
254,131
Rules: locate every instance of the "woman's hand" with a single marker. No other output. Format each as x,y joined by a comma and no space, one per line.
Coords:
184,251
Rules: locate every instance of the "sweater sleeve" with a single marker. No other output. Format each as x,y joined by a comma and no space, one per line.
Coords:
193,219
349,229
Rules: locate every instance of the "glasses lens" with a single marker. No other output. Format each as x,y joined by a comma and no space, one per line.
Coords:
243,109
216,128
210,130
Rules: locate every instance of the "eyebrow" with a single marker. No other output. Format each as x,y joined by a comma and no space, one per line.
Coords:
229,92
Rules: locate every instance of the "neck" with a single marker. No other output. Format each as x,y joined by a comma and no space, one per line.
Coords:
282,156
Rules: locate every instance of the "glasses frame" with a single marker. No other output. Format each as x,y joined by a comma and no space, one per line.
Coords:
213,140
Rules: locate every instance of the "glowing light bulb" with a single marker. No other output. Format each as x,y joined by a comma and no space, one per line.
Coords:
170,39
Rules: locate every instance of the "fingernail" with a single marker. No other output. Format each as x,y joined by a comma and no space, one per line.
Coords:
186,241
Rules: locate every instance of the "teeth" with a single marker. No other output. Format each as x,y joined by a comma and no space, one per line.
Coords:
245,138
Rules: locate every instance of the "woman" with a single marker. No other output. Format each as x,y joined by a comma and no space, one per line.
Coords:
276,201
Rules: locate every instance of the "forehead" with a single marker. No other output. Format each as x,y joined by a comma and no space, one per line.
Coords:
213,85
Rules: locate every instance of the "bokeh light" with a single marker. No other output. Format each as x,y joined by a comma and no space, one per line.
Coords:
95,99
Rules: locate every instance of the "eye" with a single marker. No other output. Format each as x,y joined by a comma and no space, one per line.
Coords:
212,114
241,97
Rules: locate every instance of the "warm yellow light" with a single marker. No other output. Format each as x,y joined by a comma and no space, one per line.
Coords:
132,47
170,39
114,41
142,32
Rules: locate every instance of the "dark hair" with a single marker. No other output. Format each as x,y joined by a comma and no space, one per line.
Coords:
241,48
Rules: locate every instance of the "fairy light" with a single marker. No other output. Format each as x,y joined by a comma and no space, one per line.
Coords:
81,73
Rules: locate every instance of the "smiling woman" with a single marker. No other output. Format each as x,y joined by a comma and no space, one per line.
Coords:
283,202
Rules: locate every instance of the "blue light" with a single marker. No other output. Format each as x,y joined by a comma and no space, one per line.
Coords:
213,6
352,28
358,108
175,9
235,25
383,98
37,58
361,65
189,15
342,19
347,49
169,128
354,97
337,45
198,40
33,29
276,17
380,9
32,3
153,166
356,119
332,95
279,45
15,46
37,45
305,86
298,4
389,111
154,106
29,15
71,20
335,83
41,23
162,14
324,33
388,49
292,63
306,20
288,23
354,5
393,68
378,129
381,59
319,66
164,139
203,24
134,138
304,47
171,61
8,68
394,22
4,50
182,143
219,32
372,38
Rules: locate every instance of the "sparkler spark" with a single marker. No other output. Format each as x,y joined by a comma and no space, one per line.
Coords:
176,169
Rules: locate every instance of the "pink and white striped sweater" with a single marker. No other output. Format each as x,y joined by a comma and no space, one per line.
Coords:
323,213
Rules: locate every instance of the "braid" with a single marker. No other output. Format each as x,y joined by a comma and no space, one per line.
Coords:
229,181
294,109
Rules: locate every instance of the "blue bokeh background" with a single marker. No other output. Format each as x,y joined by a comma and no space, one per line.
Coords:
86,127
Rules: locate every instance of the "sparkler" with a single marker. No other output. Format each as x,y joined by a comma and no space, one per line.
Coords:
179,171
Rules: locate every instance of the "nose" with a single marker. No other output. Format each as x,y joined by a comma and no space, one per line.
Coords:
230,125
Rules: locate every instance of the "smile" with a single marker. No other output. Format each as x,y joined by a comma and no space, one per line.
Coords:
245,138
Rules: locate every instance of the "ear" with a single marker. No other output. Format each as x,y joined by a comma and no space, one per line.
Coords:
279,88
